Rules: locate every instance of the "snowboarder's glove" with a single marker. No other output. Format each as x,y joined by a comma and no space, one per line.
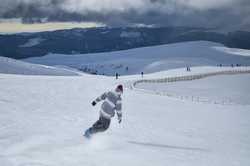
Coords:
93,103
119,119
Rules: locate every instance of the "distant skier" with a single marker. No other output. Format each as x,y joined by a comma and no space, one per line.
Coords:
188,68
116,75
112,102
127,68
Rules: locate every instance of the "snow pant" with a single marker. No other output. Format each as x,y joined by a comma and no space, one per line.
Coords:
100,126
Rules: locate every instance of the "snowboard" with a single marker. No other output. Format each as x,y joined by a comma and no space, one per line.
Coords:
87,134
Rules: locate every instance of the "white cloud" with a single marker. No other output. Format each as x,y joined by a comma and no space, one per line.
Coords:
106,6
208,13
208,4
123,5
82,6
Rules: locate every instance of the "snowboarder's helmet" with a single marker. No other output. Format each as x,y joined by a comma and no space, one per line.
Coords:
119,88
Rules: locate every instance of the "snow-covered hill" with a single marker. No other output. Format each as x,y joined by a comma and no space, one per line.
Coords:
11,66
150,59
42,120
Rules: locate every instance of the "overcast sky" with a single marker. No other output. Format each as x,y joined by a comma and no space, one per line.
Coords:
221,14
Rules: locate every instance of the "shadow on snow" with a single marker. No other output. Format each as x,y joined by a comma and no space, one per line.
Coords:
167,146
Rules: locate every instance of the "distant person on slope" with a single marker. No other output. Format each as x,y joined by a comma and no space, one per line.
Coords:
112,102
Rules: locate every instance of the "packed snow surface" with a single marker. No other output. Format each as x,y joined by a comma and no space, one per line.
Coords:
148,59
43,118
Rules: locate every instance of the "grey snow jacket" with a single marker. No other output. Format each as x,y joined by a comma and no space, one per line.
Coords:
112,102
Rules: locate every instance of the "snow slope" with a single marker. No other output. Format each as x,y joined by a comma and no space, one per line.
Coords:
11,66
149,59
235,51
208,89
46,129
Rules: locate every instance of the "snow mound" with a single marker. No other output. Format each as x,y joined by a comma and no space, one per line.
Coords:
11,66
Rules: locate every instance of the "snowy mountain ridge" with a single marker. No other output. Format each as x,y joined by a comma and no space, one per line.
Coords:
149,59
106,39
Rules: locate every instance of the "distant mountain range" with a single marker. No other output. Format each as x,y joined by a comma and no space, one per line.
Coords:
94,40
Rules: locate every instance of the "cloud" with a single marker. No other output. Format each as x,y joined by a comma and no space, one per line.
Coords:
203,13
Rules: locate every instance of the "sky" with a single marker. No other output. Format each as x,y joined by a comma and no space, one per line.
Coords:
16,26
35,15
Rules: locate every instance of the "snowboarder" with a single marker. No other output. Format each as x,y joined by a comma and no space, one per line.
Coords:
112,103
